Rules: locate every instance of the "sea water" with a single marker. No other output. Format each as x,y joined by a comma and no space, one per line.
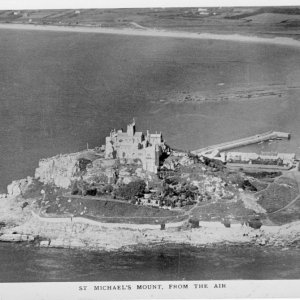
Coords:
168,262
60,91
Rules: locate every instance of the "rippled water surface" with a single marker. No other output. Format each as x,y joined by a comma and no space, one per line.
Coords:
60,91
159,263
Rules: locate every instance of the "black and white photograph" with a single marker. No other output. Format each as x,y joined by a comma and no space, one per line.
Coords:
150,150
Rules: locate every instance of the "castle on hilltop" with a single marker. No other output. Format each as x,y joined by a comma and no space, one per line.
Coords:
135,145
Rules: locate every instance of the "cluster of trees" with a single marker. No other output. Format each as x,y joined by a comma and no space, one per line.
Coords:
125,191
131,190
179,194
244,183
84,189
214,164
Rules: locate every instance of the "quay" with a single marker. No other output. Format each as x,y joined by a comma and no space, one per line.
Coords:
215,149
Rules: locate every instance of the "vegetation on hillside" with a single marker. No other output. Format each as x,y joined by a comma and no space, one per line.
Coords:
131,190
278,195
186,187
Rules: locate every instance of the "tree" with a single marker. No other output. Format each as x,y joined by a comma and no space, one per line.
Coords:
82,163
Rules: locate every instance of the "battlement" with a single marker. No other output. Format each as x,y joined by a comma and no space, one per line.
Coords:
135,145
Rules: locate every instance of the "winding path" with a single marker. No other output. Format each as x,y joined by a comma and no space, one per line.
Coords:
72,220
285,207
294,200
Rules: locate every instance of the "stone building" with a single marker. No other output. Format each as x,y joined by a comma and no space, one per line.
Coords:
135,145
287,159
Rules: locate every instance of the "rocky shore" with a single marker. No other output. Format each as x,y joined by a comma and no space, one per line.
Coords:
72,233
219,217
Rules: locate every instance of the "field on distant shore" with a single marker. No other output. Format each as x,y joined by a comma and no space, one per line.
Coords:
265,21
60,91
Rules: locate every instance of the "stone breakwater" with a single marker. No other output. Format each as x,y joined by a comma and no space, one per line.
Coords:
67,233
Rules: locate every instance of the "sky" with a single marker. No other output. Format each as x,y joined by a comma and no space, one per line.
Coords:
63,4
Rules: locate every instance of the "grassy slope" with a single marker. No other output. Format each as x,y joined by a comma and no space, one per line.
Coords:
276,196
55,204
235,211
110,211
287,215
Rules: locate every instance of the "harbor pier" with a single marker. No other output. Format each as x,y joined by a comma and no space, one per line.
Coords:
269,135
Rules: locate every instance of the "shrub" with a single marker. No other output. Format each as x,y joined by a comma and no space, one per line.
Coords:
82,163
91,192
74,189
247,185
172,180
194,223
108,189
24,204
255,223
226,222
213,163
132,189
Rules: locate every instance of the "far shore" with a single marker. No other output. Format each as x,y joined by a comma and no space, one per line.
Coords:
283,41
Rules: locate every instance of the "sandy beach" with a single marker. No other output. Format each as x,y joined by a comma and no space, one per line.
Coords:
283,41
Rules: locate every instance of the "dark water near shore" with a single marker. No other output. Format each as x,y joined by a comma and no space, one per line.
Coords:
159,263
59,91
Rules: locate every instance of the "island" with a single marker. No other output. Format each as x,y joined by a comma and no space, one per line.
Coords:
137,191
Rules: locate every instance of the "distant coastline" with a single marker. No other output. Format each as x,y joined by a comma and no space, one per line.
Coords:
281,41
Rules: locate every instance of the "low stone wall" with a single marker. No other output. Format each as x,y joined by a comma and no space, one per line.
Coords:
71,220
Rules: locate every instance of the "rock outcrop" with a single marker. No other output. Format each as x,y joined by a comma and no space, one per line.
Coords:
59,170
101,171
18,187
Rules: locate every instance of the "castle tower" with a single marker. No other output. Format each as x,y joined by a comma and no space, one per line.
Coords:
157,155
131,128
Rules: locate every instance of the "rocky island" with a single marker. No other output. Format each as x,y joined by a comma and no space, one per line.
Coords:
137,191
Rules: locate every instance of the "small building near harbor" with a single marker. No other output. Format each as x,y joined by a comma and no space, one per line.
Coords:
268,158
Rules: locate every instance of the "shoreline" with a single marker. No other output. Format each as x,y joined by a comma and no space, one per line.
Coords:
97,236
281,41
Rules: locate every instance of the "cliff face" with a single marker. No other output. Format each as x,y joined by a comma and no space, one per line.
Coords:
59,170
